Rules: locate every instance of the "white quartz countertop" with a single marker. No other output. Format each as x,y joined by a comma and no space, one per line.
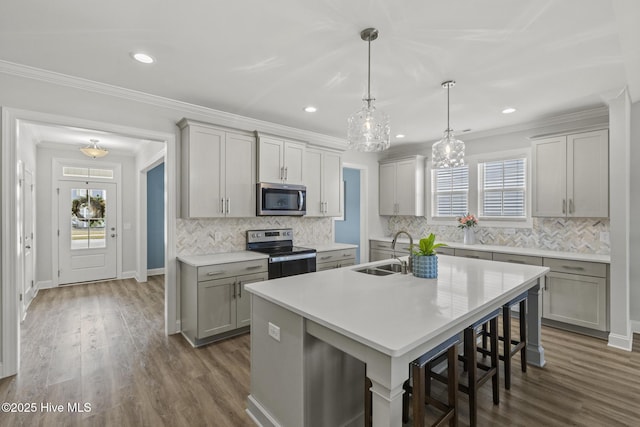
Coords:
332,247
394,313
514,250
221,258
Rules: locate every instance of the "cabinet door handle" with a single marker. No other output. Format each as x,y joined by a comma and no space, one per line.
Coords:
571,209
228,205
572,267
234,290
221,205
215,273
253,267
239,289
564,206
286,173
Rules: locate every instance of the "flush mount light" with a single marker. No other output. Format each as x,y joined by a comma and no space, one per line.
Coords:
399,136
368,129
93,150
143,57
310,109
509,110
449,151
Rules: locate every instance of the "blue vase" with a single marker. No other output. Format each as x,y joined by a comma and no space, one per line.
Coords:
425,266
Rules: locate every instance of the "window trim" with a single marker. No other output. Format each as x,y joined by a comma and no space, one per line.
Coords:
474,191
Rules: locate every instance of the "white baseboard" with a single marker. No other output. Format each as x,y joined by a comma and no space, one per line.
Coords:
621,341
46,284
128,274
155,271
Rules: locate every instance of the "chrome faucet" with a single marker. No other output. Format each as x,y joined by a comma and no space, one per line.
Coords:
393,247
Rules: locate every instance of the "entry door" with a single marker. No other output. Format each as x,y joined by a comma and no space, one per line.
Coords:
87,231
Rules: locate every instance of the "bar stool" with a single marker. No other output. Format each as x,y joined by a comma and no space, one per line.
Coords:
472,365
511,346
421,388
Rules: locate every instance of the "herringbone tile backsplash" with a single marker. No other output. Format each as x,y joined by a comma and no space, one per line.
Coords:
556,234
216,235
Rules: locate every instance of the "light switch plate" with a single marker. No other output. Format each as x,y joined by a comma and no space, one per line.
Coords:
604,236
274,331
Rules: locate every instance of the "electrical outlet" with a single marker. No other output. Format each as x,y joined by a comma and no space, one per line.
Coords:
509,231
274,331
604,236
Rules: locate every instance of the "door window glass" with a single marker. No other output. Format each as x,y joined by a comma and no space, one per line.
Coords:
88,218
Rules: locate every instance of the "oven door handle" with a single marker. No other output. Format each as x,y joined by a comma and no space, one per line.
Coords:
300,200
295,257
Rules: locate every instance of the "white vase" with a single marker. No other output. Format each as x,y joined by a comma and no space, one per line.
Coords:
469,236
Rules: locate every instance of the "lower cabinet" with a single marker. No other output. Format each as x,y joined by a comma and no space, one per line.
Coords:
213,301
328,260
575,293
379,250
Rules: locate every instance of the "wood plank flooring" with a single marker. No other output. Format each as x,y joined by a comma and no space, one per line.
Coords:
104,344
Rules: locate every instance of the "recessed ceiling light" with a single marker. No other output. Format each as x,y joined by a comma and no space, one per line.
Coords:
310,109
143,57
400,136
509,110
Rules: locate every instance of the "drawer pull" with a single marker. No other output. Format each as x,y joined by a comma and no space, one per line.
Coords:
472,256
253,267
515,261
215,273
322,258
346,255
572,267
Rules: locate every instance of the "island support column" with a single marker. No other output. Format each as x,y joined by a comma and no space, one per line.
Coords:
535,352
387,405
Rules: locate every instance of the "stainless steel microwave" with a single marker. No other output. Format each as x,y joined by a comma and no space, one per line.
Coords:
281,199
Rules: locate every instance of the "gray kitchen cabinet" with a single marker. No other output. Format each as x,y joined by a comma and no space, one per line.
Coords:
327,260
280,160
323,178
213,302
379,250
571,175
401,187
575,293
218,171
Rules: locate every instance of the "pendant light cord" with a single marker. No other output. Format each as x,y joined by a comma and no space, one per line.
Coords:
369,76
448,126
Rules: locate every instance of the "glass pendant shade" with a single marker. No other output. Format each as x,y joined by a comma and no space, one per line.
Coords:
93,150
448,152
369,129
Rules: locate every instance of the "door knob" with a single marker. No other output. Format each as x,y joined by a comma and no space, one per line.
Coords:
113,235
27,247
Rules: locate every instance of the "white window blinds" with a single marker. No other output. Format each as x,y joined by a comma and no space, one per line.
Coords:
450,191
503,188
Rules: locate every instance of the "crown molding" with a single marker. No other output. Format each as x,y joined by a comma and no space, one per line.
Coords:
217,117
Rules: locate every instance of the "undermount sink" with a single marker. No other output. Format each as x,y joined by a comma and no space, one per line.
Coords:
381,270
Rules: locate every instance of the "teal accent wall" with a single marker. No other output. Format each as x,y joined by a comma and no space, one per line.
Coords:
155,217
348,231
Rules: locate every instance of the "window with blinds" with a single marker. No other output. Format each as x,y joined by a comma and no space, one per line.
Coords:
450,191
503,188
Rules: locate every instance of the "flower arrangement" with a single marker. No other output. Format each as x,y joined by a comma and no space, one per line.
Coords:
467,221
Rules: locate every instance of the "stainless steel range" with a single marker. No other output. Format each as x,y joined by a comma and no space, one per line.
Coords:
284,258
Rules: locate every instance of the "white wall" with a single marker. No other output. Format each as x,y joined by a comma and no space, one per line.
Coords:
45,202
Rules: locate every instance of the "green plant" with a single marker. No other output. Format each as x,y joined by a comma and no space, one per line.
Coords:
428,246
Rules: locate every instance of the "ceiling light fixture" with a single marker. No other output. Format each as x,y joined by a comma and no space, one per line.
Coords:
449,151
143,57
310,109
509,110
368,128
93,150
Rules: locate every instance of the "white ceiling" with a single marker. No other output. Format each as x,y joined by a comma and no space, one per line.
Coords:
269,59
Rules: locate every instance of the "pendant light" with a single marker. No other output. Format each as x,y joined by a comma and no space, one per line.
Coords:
449,151
368,128
93,150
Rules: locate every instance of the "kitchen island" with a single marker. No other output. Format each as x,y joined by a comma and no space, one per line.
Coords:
313,335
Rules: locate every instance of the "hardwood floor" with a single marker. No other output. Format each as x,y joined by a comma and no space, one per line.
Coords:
104,344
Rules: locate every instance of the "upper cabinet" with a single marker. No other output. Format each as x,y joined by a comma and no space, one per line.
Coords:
218,171
280,160
402,187
323,178
571,175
